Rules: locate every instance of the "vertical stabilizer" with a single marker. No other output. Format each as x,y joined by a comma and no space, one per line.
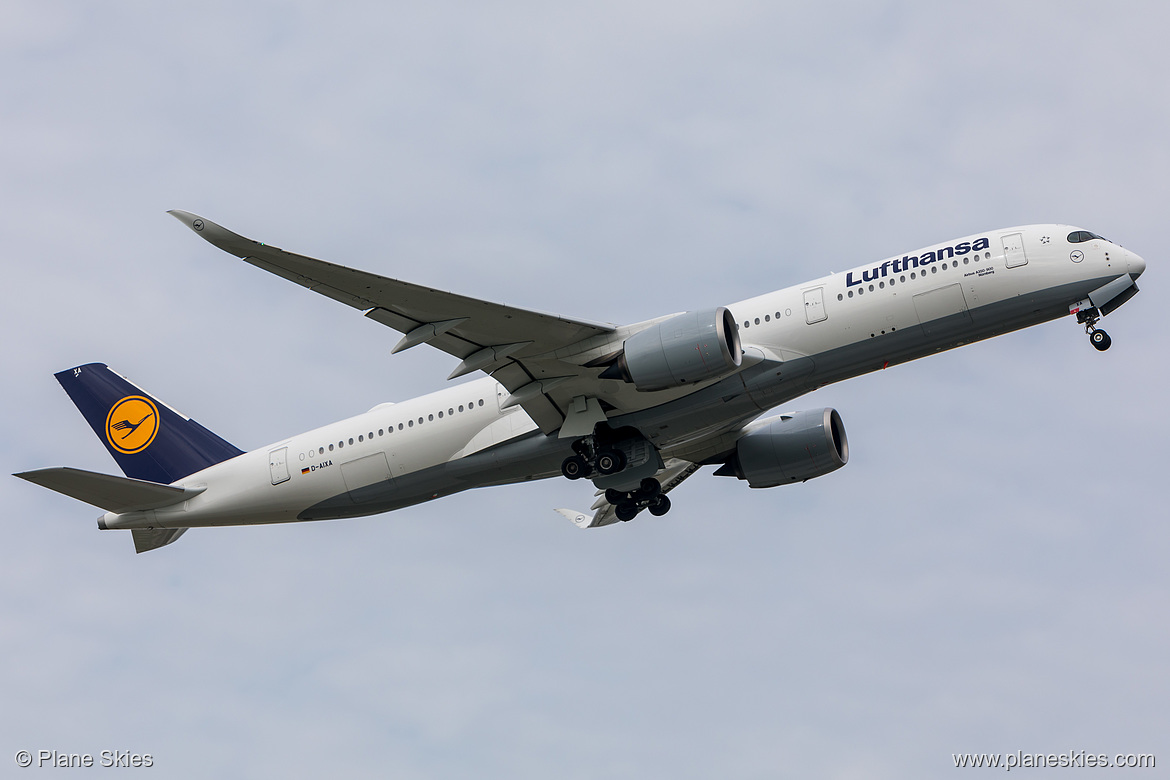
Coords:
148,439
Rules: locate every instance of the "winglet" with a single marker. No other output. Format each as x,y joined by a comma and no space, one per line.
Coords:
579,519
217,235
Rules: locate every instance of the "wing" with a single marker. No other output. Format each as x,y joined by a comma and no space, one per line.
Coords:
671,476
531,353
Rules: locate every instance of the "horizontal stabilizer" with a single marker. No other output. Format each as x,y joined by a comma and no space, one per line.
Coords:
152,539
113,494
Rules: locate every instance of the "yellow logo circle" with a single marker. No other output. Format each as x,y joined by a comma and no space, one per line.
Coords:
132,424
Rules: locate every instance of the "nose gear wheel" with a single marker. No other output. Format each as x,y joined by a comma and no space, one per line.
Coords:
1098,338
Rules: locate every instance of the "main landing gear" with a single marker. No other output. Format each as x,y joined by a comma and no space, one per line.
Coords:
592,456
628,503
623,464
1098,338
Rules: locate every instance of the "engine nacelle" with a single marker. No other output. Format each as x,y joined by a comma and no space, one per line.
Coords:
792,448
685,349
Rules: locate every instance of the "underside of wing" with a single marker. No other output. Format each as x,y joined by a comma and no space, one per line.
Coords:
538,357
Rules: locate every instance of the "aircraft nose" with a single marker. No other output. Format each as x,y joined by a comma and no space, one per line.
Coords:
1136,265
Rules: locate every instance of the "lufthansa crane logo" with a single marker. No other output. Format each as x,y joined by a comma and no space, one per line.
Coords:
132,424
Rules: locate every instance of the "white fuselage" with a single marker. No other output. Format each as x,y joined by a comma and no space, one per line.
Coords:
841,325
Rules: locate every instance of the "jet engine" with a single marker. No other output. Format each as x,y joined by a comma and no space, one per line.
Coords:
791,448
685,349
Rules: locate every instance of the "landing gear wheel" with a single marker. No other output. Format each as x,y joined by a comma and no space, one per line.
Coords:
615,496
626,511
660,506
650,487
1100,340
575,467
610,461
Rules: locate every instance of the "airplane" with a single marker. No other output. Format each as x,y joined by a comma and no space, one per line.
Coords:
634,409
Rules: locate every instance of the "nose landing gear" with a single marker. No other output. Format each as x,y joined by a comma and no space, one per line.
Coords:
1098,338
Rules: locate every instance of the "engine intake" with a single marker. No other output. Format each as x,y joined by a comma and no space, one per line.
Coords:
685,349
792,448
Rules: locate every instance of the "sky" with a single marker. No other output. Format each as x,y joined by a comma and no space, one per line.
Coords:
988,573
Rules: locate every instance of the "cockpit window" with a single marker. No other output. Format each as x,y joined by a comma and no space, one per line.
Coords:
1080,236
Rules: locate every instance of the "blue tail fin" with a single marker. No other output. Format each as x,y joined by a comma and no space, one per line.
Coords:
147,438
